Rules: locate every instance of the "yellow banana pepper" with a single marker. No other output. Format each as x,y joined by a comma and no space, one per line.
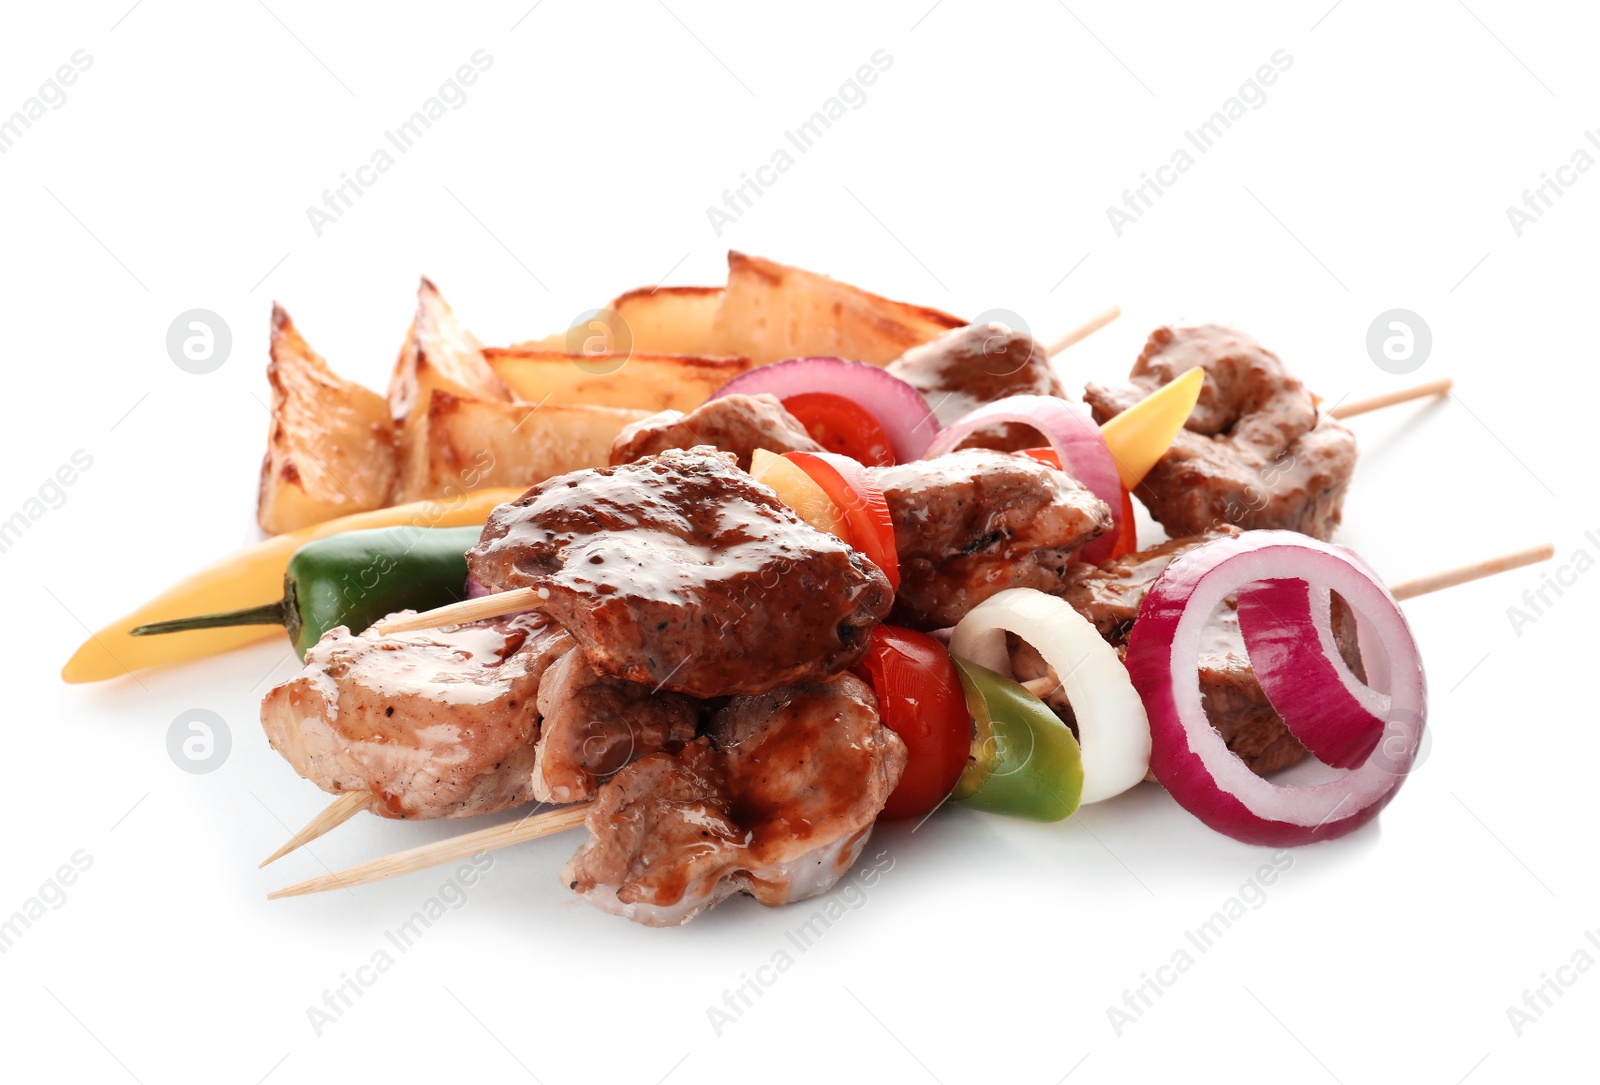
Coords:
247,579
1141,435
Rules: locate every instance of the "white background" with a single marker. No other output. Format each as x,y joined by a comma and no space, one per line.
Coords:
976,175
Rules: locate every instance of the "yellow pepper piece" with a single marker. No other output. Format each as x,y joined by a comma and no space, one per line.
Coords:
1141,435
796,489
249,578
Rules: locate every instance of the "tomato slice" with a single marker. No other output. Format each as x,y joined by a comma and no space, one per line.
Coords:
921,699
1127,534
842,425
799,491
847,485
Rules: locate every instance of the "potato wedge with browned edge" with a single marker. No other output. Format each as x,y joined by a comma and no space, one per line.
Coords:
770,312
331,445
439,353
652,382
461,444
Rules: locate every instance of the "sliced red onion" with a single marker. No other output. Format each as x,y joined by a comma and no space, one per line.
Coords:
476,590
1188,755
1288,632
897,406
1071,431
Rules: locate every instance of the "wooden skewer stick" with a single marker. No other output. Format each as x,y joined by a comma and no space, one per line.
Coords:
1389,399
570,817
1422,585
468,610
339,811
443,851
1086,329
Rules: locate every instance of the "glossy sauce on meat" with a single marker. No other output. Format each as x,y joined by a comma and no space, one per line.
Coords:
967,367
777,800
1256,452
433,723
975,522
682,571
592,724
737,424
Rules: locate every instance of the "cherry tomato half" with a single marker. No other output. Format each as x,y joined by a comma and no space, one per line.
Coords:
842,425
921,699
848,486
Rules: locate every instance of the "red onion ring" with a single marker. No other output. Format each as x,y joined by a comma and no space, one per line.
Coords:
1288,632
897,406
1070,430
1189,757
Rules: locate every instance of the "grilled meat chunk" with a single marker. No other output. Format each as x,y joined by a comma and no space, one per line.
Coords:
976,522
668,570
967,367
593,724
1255,453
776,800
737,424
434,723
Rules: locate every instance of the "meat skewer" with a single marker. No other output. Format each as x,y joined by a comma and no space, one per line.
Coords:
648,565
558,820
945,576
967,525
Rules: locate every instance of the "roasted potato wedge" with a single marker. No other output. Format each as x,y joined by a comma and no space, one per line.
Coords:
460,444
652,382
331,445
660,320
770,312
440,354
670,319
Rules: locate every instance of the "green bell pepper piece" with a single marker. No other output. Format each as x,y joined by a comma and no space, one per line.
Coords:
1024,762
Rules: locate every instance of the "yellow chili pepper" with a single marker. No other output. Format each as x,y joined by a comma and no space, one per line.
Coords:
247,579
1141,435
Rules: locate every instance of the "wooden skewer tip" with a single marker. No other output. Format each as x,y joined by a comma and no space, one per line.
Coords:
1084,330
443,851
338,812
1464,574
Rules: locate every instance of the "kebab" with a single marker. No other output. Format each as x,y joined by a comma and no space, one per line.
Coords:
1013,424
959,503
718,430
622,819
741,424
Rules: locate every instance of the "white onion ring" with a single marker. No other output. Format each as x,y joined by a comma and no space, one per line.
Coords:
1190,758
898,407
1070,430
1112,729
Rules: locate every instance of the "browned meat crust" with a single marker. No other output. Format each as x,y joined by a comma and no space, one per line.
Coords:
976,522
775,800
594,724
433,723
967,367
737,424
667,570
1256,453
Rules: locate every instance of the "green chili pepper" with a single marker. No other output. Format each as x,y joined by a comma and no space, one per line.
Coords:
1024,762
353,579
